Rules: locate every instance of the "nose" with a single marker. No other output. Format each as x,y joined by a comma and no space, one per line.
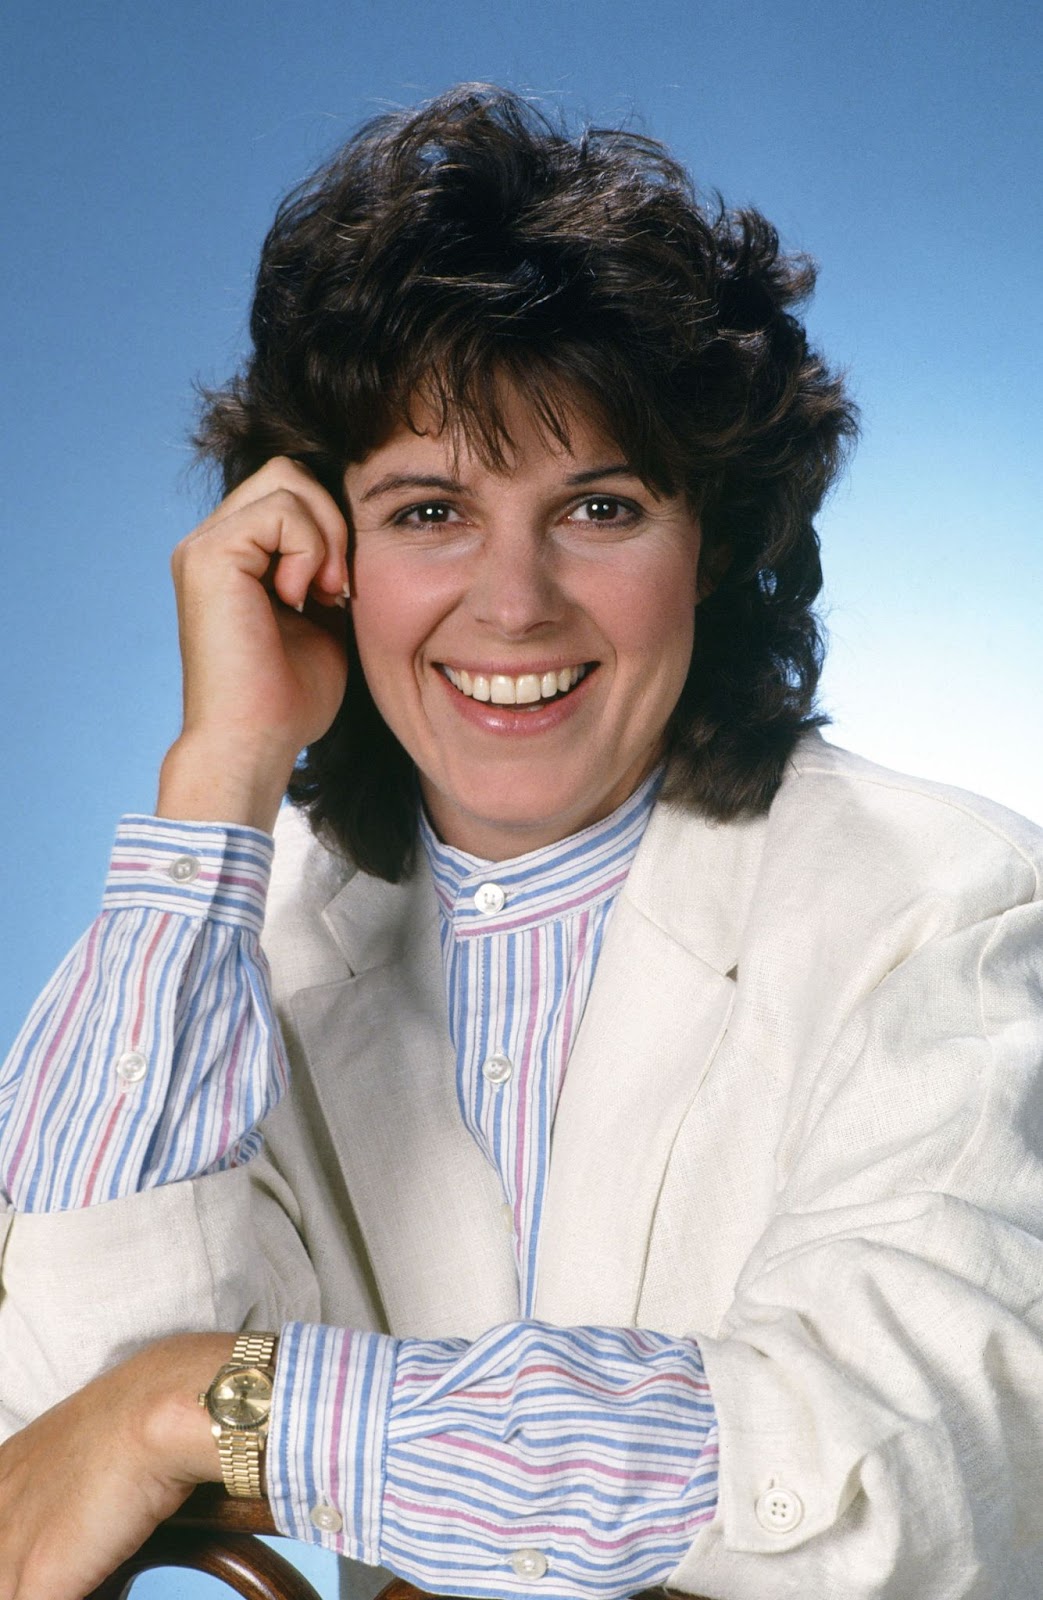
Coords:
514,590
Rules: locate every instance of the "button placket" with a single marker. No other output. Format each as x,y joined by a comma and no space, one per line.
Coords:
497,1070
131,1066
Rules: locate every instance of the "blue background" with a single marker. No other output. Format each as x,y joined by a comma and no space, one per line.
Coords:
145,147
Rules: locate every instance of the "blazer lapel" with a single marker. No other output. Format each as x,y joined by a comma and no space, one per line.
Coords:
377,1042
657,1011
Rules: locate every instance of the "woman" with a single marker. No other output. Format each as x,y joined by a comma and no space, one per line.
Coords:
566,850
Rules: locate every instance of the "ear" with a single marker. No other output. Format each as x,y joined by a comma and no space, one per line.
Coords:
713,564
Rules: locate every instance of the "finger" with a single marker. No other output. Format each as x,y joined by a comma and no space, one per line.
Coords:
282,473
275,538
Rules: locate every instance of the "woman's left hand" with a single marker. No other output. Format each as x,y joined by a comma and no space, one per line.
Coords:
84,1485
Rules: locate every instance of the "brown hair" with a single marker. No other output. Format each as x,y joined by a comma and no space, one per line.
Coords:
446,249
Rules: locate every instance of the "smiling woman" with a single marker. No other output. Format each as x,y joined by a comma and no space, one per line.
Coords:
526,642
459,271
629,1124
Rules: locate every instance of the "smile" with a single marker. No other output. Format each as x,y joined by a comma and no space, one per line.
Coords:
528,688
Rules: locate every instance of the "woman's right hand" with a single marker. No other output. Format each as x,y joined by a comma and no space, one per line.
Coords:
260,586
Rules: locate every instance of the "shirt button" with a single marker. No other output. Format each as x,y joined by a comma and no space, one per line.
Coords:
326,1518
497,1069
184,868
780,1510
529,1563
131,1066
489,898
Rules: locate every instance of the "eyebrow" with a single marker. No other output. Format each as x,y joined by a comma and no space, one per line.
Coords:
411,480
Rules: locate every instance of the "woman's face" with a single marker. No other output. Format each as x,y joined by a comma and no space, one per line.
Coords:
525,633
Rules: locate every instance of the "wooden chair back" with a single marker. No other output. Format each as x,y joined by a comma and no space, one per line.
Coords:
216,1535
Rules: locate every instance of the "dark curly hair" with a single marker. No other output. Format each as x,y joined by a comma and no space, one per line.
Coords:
444,250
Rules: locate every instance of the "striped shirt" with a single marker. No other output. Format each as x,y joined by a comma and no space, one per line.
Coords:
585,1459
154,1051
517,978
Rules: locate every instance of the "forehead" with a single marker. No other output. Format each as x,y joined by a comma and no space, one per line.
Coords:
527,444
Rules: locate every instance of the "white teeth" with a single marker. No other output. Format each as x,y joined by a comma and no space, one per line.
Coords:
525,690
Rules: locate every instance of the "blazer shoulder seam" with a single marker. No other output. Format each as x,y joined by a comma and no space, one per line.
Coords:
939,795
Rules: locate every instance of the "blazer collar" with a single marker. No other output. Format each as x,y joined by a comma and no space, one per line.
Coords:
691,878
428,1203
378,1050
657,1012
694,880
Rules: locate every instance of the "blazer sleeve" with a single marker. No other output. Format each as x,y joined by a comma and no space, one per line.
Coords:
81,1290
879,1376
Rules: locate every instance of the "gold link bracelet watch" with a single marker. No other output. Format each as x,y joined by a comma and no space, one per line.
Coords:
239,1402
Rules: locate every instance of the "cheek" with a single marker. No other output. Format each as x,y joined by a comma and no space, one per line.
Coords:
394,609
650,618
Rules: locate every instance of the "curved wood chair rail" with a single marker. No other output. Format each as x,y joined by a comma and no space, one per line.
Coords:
215,1534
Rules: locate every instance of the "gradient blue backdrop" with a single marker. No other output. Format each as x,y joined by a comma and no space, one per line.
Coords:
144,148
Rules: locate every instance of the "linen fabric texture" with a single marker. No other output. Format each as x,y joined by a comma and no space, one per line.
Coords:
801,1124
150,1056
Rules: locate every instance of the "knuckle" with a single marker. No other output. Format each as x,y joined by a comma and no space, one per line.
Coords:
179,554
289,508
284,499
188,550
283,469
295,478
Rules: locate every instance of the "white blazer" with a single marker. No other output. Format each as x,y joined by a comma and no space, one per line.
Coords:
802,1120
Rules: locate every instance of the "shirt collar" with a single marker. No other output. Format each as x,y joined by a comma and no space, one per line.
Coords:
544,885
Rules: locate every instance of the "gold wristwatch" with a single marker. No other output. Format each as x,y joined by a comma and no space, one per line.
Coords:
238,1402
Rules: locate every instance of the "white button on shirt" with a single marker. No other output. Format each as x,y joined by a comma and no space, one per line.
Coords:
131,1066
497,1069
184,868
326,1518
779,1510
489,899
529,1563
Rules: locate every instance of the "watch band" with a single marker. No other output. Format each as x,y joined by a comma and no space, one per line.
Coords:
241,1453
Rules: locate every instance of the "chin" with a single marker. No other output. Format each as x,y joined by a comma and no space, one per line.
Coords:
518,817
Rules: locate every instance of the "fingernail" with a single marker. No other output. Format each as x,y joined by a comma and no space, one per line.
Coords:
299,606
346,591
340,600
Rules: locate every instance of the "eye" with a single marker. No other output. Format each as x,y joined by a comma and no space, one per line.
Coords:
605,509
426,514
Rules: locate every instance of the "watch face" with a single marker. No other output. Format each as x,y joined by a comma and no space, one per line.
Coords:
241,1399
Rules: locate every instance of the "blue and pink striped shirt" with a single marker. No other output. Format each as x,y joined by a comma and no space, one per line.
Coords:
517,978
572,1462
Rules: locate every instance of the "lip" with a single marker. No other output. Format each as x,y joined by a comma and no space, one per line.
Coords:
495,719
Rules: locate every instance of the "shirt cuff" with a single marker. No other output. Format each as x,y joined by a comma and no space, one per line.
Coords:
217,871
327,1437
581,1459
579,1462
